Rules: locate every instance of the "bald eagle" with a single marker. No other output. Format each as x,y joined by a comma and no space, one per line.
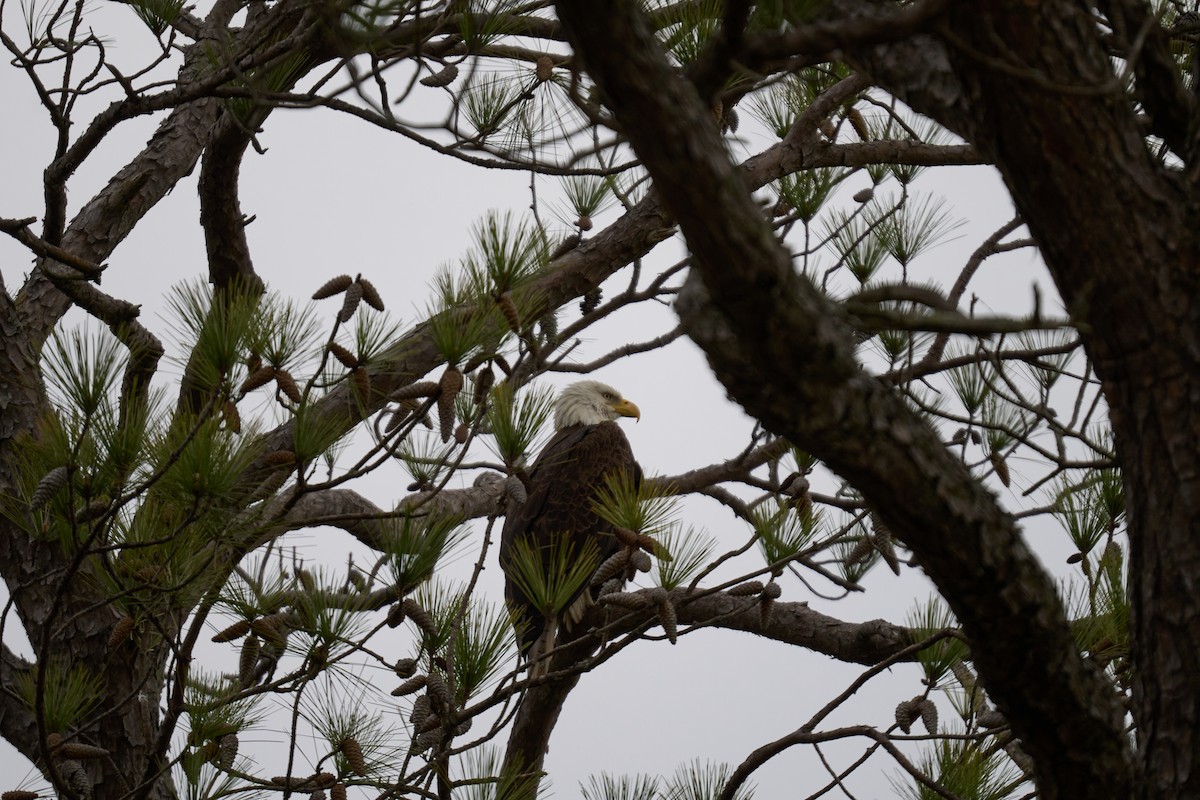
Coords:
588,449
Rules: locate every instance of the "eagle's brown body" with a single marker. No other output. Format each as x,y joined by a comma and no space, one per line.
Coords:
562,488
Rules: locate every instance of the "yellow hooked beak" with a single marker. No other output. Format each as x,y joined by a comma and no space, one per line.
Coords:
627,409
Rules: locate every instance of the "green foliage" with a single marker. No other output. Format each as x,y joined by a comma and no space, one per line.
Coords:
689,28
157,14
1082,516
484,777
220,326
1049,367
857,240
505,253
336,712
552,575
82,368
783,532
461,319
936,660
690,550
702,780
426,459
70,694
483,646
416,543
918,226
515,419
966,769
588,195
619,787
487,100
970,385
636,507
316,430
806,191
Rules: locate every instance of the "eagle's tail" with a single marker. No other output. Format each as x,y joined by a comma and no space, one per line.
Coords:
542,645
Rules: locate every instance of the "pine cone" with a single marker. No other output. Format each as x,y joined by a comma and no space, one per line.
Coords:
333,286
370,294
54,480
354,756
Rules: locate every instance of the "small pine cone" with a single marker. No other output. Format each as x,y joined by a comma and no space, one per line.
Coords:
259,377
93,510
409,686
370,294
362,384
886,549
976,438
227,750
268,629
611,586
421,710
323,780
395,615
449,386
544,69
858,123
462,727
354,755
253,361
350,302
613,566
484,379
640,561
426,740
333,286
864,196
625,536
766,605
1001,466
654,547
668,618
906,714
861,551
19,794
515,490
120,632
584,223
231,417
406,667
591,301
287,385
747,589
569,243
348,359
509,309
462,433
625,600
430,723
248,660
54,480
79,750
438,691
277,458
317,794
76,777
772,591
337,791
420,389
443,77
421,617
929,714
549,325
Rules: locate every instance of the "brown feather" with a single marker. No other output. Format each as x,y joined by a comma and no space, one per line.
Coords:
563,485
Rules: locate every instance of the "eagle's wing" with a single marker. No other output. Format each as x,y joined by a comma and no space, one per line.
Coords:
563,483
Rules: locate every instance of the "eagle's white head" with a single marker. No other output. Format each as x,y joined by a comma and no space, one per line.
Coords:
590,403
